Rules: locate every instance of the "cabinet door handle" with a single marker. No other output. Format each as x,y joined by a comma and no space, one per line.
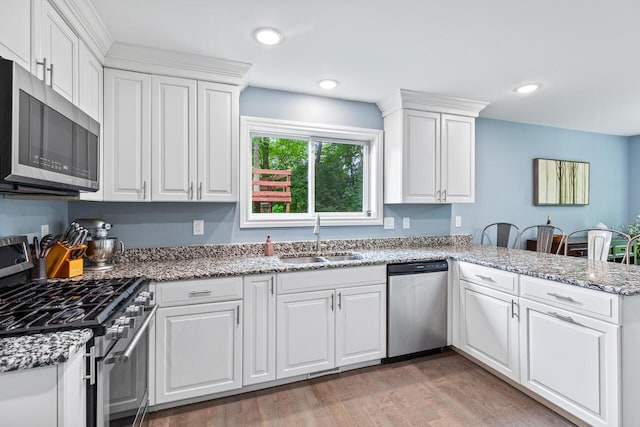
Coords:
271,285
44,69
438,195
50,75
196,294
200,191
564,318
513,309
144,190
191,191
238,314
487,278
445,195
553,294
340,300
331,302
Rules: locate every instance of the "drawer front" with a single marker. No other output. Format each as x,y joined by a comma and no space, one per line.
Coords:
185,292
332,278
490,277
599,305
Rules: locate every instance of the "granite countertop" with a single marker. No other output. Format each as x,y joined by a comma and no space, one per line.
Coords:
599,275
35,350
183,263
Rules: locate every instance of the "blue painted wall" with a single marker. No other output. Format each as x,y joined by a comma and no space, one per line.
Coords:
634,177
504,177
26,216
277,104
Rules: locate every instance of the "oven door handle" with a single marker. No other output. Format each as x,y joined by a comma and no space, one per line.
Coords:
126,354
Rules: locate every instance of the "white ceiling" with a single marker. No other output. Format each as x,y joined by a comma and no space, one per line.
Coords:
584,52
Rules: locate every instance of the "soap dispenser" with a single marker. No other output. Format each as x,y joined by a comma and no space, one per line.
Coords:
268,247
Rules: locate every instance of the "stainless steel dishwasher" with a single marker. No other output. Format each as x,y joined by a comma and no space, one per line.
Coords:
417,307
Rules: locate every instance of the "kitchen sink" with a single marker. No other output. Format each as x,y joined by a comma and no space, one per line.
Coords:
349,257
319,259
303,260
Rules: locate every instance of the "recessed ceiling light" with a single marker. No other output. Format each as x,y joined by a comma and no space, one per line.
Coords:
528,88
268,36
328,84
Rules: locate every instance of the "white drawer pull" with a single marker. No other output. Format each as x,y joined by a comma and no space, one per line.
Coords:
487,278
553,294
196,294
564,318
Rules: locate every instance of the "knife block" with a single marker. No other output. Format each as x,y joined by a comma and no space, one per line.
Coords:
61,265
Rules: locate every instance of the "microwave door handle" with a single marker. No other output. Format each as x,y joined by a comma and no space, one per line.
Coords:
51,75
126,354
44,69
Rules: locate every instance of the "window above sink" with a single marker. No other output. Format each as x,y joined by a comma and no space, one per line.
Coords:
292,171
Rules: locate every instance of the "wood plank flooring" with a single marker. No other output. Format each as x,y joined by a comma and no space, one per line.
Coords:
439,390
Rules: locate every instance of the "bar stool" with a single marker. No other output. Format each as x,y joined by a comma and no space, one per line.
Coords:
599,243
544,240
502,233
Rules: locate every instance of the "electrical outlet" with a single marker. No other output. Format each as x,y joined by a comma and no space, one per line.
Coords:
406,222
198,227
44,230
458,221
389,223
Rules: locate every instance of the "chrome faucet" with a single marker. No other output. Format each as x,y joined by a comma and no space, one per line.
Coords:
316,231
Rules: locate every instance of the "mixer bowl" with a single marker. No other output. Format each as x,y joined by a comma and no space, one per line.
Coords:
99,254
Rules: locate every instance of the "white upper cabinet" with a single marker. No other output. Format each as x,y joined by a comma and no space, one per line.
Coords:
91,90
173,138
194,126
57,59
218,119
15,31
429,152
127,136
457,158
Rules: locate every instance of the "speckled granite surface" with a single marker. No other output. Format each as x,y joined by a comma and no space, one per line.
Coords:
32,351
603,276
239,250
193,262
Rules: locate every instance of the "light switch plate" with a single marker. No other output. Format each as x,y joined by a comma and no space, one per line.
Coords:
406,222
389,223
198,227
44,230
458,221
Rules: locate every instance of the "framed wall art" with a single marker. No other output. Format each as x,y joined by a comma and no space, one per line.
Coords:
560,182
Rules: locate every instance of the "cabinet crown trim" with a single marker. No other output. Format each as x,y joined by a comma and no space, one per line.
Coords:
87,23
423,101
179,64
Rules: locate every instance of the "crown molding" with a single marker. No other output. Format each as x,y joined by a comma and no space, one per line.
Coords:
423,101
179,64
86,21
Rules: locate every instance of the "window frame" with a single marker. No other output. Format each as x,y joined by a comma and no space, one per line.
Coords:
372,140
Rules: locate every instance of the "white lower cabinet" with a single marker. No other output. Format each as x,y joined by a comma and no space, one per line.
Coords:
489,327
49,396
572,361
361,323
323,330
259,335
198,350
305,333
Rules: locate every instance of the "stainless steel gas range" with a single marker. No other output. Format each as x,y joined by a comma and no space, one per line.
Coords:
117,310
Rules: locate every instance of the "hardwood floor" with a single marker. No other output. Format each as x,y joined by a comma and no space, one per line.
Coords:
438,390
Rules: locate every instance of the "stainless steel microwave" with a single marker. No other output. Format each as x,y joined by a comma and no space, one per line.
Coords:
47,144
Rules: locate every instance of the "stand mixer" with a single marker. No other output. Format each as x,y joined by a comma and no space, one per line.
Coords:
100,247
